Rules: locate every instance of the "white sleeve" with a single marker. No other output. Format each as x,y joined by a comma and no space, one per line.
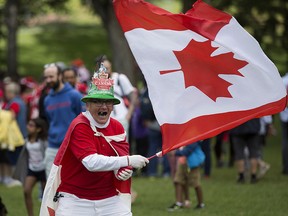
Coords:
98,162
268,119
125,84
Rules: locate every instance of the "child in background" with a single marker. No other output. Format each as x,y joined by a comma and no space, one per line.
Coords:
30,167
184,178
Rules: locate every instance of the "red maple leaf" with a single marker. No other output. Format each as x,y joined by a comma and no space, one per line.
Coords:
202,71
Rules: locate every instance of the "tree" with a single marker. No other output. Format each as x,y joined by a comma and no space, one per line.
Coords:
14,14
122,59
10,14
2,36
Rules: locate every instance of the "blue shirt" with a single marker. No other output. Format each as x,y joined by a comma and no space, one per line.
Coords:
61,108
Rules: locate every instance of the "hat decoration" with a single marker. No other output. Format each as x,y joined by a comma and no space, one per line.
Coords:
101,86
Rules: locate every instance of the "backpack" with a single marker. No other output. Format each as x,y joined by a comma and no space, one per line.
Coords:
196,158
146,106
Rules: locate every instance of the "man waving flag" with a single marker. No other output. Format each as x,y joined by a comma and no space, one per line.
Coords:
204,72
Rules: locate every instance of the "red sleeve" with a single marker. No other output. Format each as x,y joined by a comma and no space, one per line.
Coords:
82,141
15,108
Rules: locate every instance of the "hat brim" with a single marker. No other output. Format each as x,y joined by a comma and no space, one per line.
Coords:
86,98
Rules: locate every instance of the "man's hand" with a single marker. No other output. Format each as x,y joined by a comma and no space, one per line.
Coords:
124,173
137,161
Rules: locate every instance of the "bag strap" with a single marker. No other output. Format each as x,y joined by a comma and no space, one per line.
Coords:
119,84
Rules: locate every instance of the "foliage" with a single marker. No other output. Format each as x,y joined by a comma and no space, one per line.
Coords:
59,42
58,37
14,13
267,22
31,8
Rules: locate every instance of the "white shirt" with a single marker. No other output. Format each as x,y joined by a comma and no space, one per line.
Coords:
36,157
263,122
122,87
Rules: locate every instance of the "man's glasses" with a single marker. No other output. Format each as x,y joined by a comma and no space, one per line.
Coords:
100,103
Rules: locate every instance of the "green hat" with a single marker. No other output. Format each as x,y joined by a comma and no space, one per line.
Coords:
101,87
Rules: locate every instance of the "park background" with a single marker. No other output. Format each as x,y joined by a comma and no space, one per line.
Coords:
64,30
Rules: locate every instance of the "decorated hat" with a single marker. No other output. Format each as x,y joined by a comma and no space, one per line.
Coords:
101,87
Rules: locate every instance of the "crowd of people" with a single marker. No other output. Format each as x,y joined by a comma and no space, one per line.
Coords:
121,132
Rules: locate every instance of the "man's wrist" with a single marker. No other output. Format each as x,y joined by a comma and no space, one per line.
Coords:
128,162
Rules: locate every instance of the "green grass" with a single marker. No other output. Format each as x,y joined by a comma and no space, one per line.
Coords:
223,197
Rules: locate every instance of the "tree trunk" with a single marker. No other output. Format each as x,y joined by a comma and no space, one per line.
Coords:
11,11
187,4
122,60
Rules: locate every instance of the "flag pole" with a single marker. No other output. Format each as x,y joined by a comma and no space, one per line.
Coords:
158,154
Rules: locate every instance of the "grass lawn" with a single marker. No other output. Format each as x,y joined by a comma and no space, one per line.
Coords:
223,197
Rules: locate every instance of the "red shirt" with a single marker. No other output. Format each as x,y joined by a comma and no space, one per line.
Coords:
13,107
75,178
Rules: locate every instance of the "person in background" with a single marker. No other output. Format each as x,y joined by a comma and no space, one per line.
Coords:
184,178
15,104
284,128
70,76
155,139
45,88
266,128
82,72
30,167
28,92
140,134
124,91
246,135
206,147
3,156
94,159
62,105
219,149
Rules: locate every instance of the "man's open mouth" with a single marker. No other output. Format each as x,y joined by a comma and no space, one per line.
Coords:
102,113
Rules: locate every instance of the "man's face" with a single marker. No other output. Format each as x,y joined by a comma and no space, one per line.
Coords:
9,92
52,78
70,77
100,109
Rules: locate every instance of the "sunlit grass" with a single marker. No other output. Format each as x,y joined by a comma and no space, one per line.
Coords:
222,196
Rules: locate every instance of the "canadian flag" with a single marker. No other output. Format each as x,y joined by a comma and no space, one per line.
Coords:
205,73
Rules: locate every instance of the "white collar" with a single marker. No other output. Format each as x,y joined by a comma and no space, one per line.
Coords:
88,115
